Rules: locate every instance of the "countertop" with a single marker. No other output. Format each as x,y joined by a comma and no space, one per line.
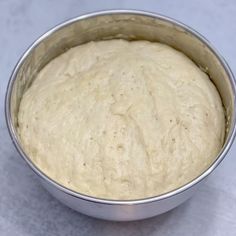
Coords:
27,209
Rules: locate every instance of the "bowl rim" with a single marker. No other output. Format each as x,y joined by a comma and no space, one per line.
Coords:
58,186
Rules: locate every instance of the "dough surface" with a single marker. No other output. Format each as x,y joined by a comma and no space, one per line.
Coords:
122,120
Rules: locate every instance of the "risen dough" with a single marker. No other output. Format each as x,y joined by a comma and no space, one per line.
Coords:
122,120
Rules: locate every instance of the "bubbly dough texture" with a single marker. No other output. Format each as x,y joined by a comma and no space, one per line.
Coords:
122,120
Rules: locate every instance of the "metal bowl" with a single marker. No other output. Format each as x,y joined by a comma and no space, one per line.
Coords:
130,25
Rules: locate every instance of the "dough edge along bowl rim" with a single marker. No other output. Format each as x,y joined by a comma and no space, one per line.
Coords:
85,197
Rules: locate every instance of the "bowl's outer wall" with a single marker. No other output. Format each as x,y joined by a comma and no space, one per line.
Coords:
120,212
130,25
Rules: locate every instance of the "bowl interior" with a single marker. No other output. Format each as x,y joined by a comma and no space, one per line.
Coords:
130,26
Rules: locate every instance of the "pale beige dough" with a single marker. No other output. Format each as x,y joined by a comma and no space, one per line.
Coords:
122,120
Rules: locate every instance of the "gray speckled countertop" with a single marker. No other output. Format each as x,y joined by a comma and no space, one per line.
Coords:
27,209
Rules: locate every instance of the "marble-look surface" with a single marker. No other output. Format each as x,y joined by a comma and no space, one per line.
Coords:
27,209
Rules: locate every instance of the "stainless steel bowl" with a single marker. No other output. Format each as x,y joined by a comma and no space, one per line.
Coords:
130,25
